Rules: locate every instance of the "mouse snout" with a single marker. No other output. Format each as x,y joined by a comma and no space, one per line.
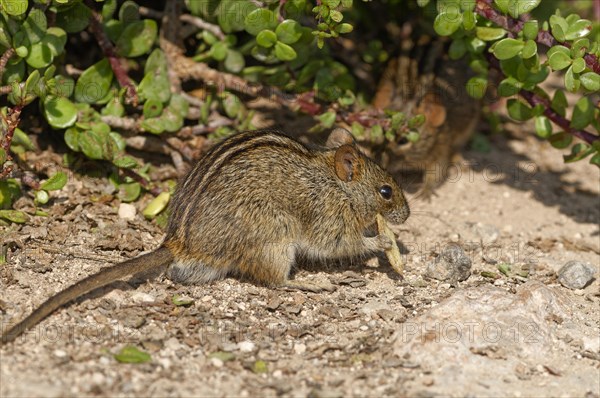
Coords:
398,215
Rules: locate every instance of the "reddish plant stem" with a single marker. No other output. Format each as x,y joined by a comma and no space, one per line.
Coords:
136,177
555,117
558,119
4,60
109,52
485,9
11,121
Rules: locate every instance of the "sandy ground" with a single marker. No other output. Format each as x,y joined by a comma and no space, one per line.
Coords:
518,205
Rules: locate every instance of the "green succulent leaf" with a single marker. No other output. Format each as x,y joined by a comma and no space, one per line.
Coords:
591,81
94,83
15,216
336,16
182,301
125,162
520,7
489,34
518,110
328,119
232,105
155,88
458,48
55,183
529,50
41,197
503,5
157,205
259,20
559,60
559,102
75,18
131,354
14,7
35,25
283,52
508,48
137,38
233,14
579,151
572,82
266,38
509,87
22,139
578,65
560,140
219,51
289,31
129,12
152,108
72,139
234,61
583,113
60,112
543,127
477,86
580,28
91,144
9,192
55,39
153,125
530,29
129,192
447,22
39,55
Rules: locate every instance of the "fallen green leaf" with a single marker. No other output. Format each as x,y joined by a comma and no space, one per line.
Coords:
131,354
157,205
182,301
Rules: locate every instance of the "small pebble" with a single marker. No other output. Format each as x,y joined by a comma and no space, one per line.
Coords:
60,354
173,344
487,233
575,275
246,346
452,265
98,378
299,348
216,362
127,211
324,393
140,297
591,344
277,374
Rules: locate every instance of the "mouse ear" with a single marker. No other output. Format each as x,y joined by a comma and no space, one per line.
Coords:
348,163
339,137
433,110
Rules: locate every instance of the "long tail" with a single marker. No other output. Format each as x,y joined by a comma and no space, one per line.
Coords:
153,260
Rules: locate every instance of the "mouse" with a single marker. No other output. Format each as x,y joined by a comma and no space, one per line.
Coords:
250,206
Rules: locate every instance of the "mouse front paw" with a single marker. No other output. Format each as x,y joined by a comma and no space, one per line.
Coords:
378,243
384,242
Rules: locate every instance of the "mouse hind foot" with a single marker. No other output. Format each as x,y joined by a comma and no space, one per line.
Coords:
194,273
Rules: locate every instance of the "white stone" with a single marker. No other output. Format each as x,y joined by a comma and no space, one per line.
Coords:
141,297
127,211
299,348
246,346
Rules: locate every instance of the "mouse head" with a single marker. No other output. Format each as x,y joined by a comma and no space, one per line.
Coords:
373,189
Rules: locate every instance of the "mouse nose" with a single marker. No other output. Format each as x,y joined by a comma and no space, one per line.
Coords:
400,215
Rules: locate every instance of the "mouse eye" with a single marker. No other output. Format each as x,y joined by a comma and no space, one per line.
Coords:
386,192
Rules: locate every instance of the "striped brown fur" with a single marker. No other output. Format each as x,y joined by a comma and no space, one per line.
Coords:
255,202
